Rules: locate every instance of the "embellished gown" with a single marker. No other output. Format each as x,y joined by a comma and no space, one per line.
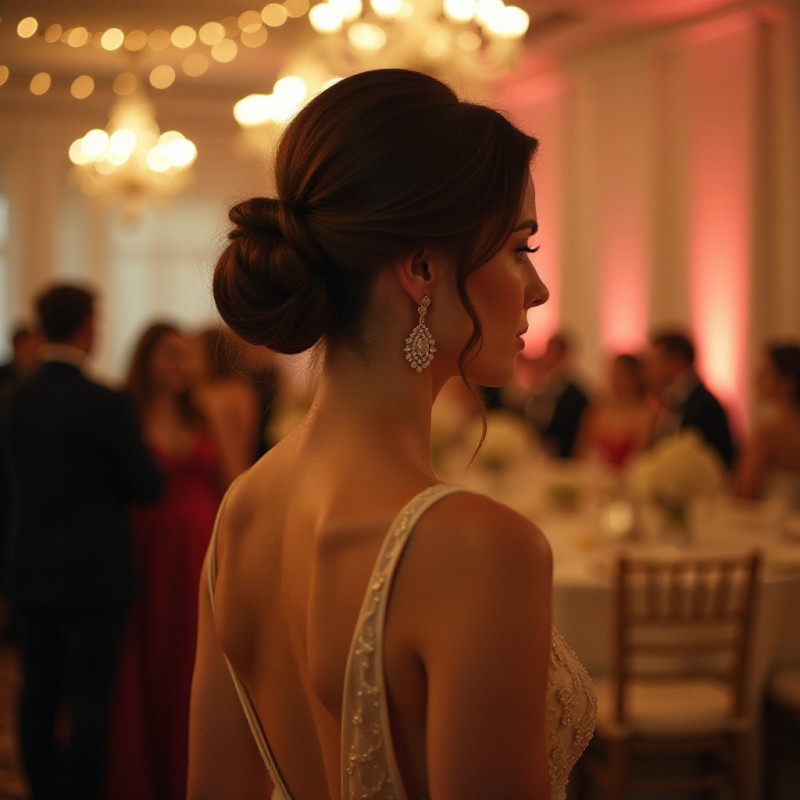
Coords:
369,766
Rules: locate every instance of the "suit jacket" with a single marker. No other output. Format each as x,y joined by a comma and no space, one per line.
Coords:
72,460
702,411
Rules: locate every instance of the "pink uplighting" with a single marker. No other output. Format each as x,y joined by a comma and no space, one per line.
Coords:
719,210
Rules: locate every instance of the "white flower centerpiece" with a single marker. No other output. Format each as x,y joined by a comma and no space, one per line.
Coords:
673,477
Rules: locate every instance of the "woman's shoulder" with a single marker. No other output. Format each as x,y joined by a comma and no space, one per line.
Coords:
484,529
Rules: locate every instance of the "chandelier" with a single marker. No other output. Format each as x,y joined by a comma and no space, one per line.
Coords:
131,160
468,43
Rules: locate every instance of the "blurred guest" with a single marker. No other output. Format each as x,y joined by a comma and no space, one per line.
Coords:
148,733
557,402
25,344
621,425
770,465
686,401
230,402
73,458
260,366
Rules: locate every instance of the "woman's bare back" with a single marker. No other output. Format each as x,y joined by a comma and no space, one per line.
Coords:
301,550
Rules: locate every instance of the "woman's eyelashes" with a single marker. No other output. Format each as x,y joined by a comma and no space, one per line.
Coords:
525,250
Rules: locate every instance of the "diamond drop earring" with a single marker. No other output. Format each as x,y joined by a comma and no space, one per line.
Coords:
420,344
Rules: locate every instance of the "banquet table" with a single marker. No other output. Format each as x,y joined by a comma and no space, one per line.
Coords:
572,503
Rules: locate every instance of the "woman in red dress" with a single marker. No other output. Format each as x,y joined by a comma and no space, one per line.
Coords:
149,723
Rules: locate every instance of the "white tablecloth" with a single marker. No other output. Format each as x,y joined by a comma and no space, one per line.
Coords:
570,501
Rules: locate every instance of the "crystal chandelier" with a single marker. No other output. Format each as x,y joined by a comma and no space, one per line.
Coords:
131,160
468,43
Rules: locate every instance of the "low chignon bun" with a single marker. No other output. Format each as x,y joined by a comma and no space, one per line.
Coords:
269,283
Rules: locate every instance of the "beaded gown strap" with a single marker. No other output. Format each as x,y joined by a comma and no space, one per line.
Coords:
281,791
369,767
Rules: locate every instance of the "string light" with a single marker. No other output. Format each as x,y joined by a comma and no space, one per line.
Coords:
40,83
27,27
112,39
82,87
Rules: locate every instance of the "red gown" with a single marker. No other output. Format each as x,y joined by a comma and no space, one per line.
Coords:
148,735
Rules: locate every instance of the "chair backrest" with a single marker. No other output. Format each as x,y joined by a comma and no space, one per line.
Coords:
684,618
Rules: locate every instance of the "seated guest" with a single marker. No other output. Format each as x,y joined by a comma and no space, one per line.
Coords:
621,425
770,465
686,400
557,402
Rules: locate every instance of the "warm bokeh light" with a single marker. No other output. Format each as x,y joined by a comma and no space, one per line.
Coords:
27,27
112,39
125,83
94,144
459,10
224,51
274,15
53,33
82,87
183,36
177,149
158,40
387,8
255,109
509,21
195,65
366,37
122,142
249,21
211,33
290,89
136,40
349,9
296,8
77,37
162,76
4,73
255,38
40,83
468,41
76,155
324,18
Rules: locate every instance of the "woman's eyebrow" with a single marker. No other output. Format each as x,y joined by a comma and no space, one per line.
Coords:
527,223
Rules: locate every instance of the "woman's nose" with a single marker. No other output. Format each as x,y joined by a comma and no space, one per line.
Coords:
537,293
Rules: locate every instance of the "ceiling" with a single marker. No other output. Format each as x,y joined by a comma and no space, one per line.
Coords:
558,27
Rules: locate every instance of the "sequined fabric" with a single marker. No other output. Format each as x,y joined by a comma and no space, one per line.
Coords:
369,769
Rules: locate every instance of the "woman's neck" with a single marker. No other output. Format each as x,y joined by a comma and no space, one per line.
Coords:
373,407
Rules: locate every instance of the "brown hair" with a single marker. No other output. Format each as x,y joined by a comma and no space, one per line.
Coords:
138,382
220,353
377,166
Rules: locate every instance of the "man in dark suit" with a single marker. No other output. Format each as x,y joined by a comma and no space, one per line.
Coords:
687,401
72,459
557,402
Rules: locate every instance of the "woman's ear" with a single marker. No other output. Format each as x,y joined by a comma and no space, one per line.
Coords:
416,273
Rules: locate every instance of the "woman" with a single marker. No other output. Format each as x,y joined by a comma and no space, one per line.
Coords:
148,740
621,426
399,237
229,401
770,466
